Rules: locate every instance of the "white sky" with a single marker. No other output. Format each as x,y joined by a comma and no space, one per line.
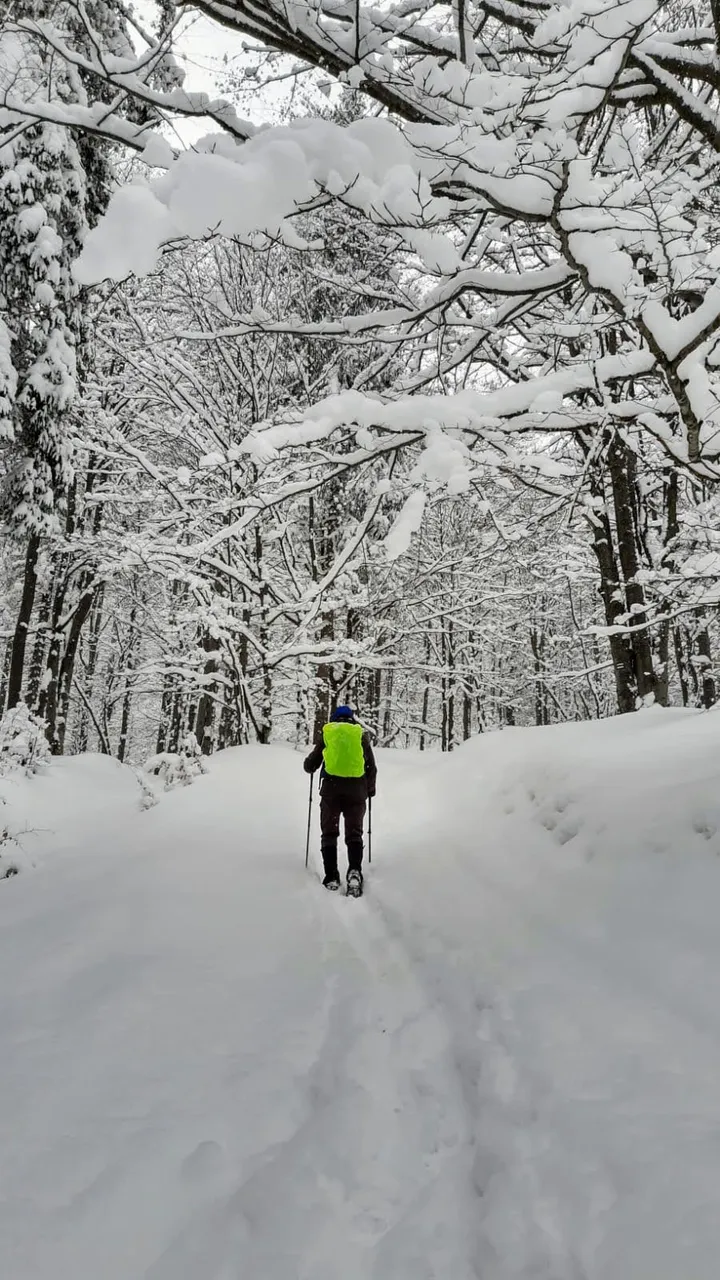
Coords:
207,51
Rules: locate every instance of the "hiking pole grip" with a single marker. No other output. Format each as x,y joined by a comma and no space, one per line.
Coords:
307,842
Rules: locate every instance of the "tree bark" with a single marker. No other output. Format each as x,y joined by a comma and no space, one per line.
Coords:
537,645
93,645
387,712
622,468
681,665
707,682
205,718
609,591
48,700
67,670
127,695
19,644
38,658
167,701
7,654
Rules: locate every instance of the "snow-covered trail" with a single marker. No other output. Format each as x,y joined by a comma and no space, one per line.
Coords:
214,1070
571,941
501,1064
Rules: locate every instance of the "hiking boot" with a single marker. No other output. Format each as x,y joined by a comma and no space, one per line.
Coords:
354,884
332,882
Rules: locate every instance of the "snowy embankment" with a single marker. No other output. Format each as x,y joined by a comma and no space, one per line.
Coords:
503,1062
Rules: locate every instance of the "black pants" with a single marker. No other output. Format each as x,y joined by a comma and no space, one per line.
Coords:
351,805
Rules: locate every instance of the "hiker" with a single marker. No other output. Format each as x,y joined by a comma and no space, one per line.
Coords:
347,780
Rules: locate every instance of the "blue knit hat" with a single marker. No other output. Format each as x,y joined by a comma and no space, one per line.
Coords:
342,713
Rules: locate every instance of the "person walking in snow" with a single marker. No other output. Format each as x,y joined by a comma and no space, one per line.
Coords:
348,776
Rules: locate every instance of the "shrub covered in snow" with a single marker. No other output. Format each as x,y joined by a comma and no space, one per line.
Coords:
10,855
170,769
23,745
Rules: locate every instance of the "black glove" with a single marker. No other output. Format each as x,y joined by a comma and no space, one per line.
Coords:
371,791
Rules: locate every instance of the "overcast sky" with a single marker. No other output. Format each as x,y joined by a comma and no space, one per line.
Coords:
206,51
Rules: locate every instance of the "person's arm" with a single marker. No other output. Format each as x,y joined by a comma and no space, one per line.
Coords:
370,765
315,759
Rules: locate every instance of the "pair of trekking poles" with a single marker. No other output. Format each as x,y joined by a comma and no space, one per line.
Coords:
307,842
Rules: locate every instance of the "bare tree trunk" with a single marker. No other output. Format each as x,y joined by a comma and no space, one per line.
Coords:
19,644
375,686
301,711
672,527
176,726
265,725
67,668
426,696
622,468
469,684
325,684
387,712
692,669
205,718
537,645
48,700
709,694
38,659
167,703
266,705
609,588
7,655
424,713
682,666
662,685
93,646
322,538
124,726
443,690
130,659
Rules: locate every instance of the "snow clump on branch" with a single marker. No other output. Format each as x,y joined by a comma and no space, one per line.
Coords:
254,188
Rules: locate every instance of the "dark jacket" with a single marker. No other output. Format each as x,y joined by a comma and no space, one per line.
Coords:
365,785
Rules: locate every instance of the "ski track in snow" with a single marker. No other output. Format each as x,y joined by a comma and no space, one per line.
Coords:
415,1145
215,1070
231,1072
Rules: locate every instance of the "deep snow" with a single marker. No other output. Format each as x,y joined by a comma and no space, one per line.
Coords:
502,1063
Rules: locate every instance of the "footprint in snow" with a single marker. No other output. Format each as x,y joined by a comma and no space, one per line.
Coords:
206,1161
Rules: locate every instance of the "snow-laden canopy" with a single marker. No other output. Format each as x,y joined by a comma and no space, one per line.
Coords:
531,152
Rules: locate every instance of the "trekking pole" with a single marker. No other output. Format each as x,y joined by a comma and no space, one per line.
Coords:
307,843
369,829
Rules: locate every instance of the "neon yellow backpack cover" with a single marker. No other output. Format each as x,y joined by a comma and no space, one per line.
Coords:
343,753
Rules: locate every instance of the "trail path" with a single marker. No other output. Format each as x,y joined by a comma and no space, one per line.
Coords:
213,1070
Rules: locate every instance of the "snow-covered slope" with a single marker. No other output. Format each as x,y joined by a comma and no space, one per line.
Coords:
503,1062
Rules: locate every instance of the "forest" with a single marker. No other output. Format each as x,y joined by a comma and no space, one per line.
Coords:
409,399
359,466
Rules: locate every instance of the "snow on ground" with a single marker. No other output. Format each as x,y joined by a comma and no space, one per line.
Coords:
68,808
502,1063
